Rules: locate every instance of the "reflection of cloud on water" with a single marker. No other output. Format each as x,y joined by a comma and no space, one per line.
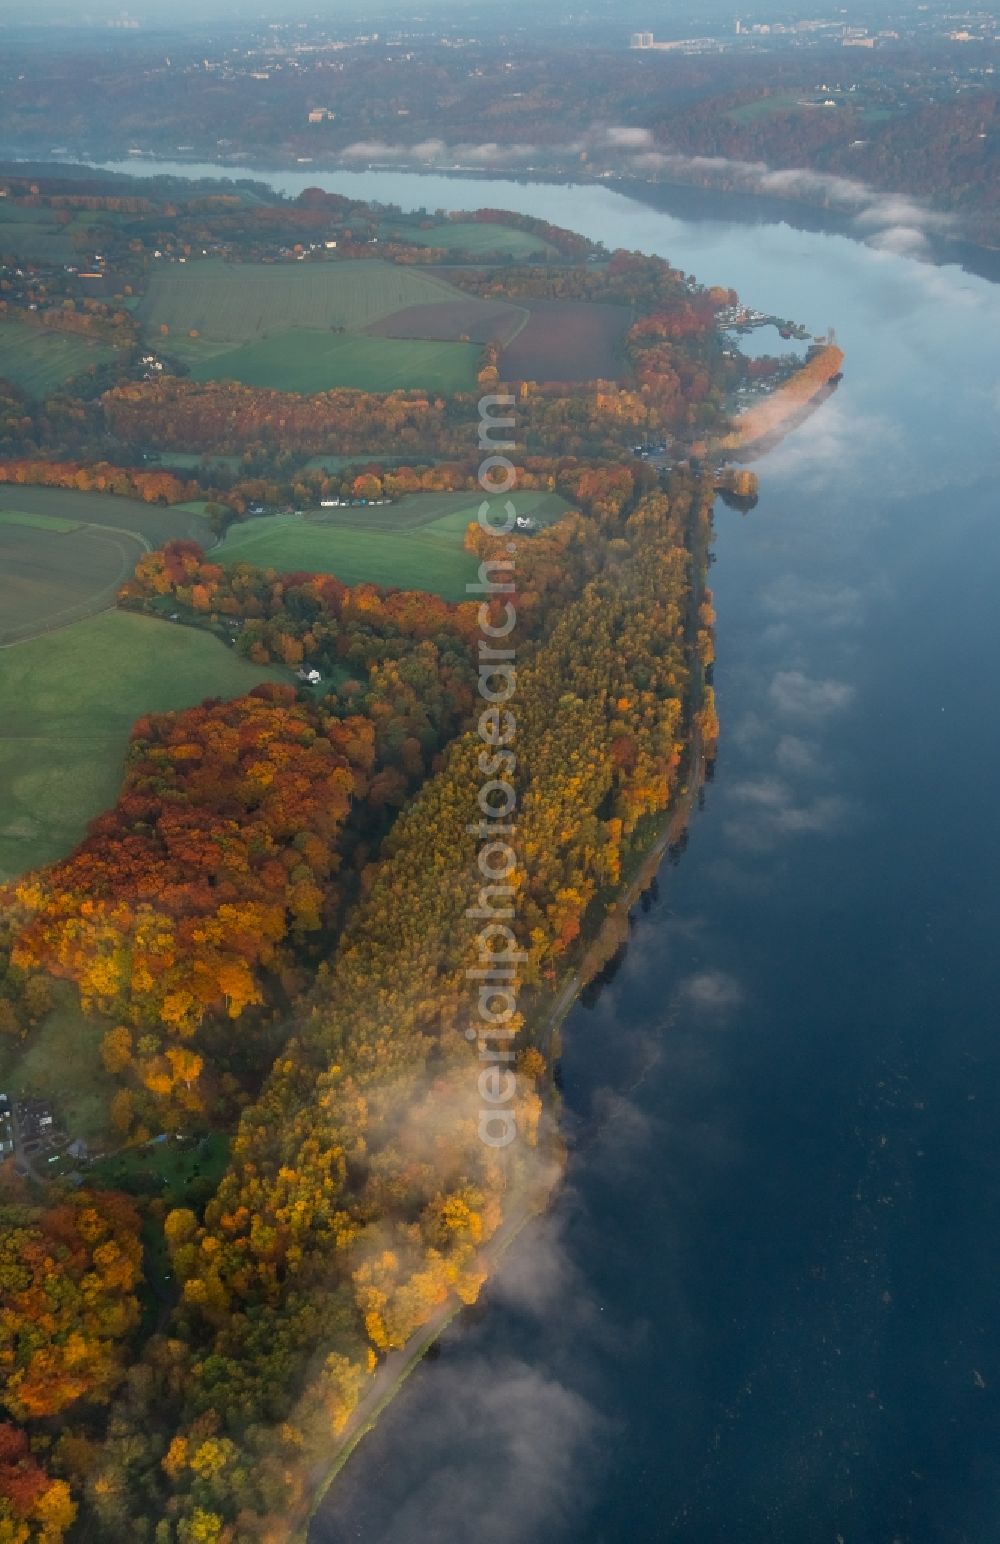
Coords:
793,754
765,807
714,991
901,241
797,695
838,443
829,604
763,824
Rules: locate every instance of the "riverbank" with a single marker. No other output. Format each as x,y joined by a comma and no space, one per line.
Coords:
398,1365
785,1214
685,200
535,1200
761,428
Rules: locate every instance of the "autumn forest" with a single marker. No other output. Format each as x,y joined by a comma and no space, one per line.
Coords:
265,938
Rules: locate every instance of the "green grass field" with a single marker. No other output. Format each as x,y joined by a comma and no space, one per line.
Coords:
189,460
61,1060
36,234
319,361
155,523
37,522
68,701
415,544
765,106
63,554
170,1168
475,236
39,359
238,303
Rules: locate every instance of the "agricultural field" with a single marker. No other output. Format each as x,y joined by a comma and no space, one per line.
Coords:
483,321
320,361
37,235
478,237
68,700
40,359
64,554
568,340
767,106
239,302
416,544
193,460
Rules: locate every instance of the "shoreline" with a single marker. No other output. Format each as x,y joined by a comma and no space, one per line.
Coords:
747,207
769,421
366,1415
391,1375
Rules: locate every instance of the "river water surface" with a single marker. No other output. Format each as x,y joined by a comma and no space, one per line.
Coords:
765,1306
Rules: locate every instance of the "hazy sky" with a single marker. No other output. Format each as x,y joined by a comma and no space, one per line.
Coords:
486,14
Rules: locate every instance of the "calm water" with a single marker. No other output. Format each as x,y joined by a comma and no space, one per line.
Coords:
765,1308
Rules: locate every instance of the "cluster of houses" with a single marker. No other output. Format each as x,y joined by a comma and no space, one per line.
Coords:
350,503
741,316
30,1133
6,1128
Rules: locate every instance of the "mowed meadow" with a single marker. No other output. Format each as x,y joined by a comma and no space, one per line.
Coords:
237,302
315,361
68,700
478,238
74,672
415,544
64,554
303,327
39,359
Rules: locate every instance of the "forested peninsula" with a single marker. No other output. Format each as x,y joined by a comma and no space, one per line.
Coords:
251,1118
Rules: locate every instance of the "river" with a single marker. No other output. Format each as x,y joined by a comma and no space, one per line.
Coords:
765,1305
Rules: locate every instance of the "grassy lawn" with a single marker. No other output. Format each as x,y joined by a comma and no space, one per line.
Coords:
68,701
61,1060
765,107
63,554
384,458
190,460
155,523
37,522
241,302
171,1167
475,236
415,544
319,361
38,359
355,556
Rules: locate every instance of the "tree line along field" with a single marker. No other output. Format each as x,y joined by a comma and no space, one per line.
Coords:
40,359
68,700
64,554
415,544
